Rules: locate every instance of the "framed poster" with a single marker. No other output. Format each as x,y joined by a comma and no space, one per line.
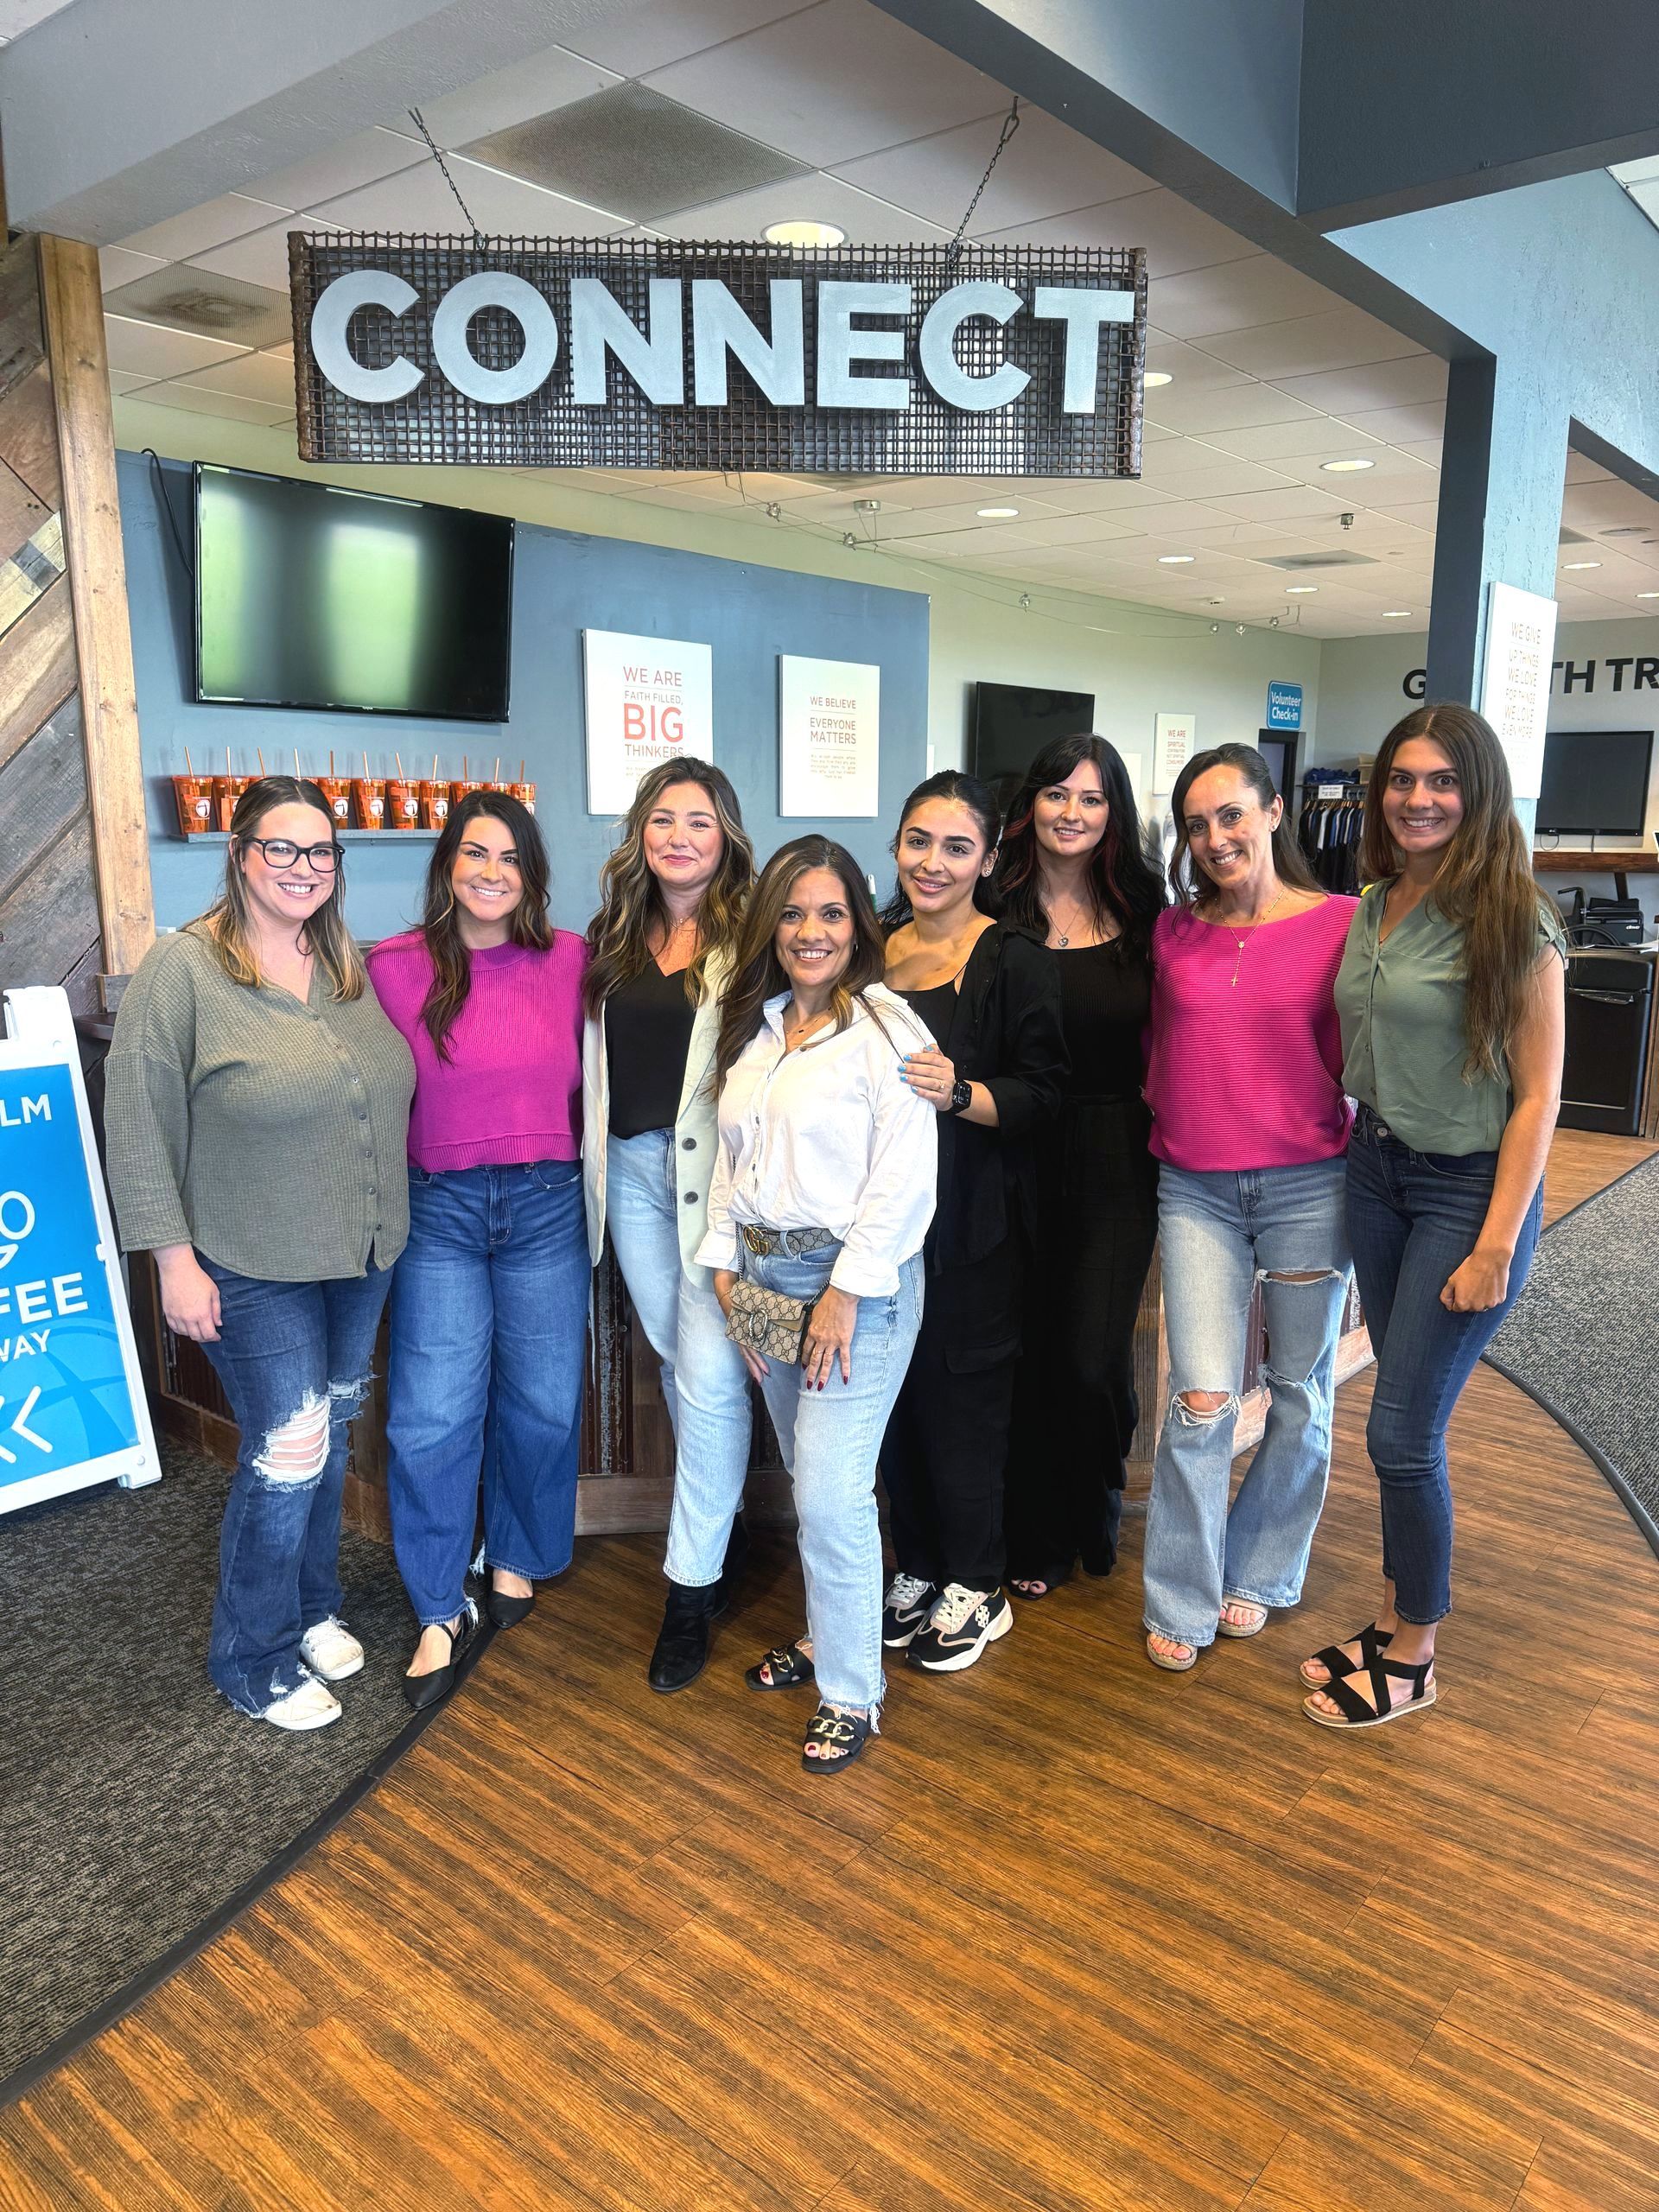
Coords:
73,1410
828,736
646,699
1172,744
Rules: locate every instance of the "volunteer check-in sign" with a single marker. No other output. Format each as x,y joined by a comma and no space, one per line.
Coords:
73,1410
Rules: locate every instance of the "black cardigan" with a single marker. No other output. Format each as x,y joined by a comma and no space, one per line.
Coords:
1007,1033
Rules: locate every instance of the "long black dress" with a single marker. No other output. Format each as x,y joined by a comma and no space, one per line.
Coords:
1075,1404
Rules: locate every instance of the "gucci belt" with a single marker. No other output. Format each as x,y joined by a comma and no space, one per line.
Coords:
792,1242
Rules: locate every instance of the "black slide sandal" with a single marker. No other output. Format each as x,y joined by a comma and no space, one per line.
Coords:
790,1667
1372,1641
839,1736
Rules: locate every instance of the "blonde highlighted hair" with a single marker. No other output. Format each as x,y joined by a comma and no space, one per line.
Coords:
227,926
631,906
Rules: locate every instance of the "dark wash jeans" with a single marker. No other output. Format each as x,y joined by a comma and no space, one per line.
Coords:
283,1348
1413,1217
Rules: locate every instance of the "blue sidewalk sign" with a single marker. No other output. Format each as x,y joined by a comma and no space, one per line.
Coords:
73,1410
1284,705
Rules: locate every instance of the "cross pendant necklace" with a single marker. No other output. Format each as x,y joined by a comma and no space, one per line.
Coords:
1241,941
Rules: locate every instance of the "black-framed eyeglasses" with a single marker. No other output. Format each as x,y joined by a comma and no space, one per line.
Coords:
283,852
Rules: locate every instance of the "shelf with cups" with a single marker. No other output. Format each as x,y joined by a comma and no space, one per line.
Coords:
346,836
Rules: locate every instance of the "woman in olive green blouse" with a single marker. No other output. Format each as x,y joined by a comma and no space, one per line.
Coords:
257,1117
1451,997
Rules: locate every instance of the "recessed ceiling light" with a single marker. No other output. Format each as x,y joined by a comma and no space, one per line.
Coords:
1580,564
804,234
1154,377
1345,467
1399,614
1174,560
1294,591
996,514
1648,594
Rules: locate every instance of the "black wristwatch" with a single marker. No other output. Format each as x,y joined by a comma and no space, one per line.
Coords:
961,1096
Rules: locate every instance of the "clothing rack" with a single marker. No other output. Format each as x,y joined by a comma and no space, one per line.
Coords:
1328,831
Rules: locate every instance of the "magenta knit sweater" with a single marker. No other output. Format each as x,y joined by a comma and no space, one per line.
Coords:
1248,1074
510,1090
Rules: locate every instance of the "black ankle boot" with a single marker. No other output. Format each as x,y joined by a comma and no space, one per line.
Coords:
682,1651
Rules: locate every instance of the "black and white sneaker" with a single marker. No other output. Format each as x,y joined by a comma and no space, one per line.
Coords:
904,1609
964,1623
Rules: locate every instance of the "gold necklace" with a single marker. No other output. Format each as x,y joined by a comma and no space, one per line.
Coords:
1231,929
1063,937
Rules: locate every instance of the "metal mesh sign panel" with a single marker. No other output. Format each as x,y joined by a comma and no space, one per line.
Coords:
649,354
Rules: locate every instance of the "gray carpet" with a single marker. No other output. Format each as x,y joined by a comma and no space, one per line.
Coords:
136,1806
1583,1337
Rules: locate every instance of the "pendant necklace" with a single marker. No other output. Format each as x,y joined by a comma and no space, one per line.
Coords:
1241,941
1063,937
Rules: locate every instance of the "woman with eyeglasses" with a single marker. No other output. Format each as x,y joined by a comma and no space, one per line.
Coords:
256,1113
489,1309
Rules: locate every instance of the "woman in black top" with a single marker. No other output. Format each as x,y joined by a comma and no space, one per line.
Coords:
1071,868
990,997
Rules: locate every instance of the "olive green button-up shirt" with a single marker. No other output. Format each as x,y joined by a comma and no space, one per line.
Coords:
1401,1005
270,1135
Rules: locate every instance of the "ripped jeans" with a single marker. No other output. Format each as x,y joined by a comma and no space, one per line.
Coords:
1220,1231
293,1357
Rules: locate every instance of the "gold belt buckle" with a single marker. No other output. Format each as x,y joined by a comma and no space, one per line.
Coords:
755,1238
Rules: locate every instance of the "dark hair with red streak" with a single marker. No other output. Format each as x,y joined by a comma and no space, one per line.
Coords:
1125,887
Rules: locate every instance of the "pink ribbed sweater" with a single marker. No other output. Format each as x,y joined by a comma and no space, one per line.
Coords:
510,1090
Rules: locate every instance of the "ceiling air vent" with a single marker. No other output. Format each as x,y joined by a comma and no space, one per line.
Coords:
1300,561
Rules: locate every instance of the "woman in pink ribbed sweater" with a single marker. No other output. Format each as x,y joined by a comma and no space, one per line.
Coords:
489,1305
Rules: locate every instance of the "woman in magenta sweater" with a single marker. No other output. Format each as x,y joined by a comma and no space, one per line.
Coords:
1250,1124
489,1305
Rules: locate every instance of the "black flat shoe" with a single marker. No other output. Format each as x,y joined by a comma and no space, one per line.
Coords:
504,1611
421,1691
682,1651
1051,1578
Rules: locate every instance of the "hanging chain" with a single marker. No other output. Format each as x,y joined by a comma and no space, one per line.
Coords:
477,235
1010,124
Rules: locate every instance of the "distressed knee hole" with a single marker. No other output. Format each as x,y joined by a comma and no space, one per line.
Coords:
296,1451
1199,1408
345,1399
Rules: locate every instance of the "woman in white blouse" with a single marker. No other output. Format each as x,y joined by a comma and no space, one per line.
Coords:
822,1191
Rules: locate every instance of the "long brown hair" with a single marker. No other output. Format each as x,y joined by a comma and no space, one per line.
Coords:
759,975
452,963
1123,886
1484,883
1187,879
227,924
631,905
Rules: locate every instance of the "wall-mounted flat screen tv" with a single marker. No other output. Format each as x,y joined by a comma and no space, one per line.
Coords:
309,595
1012,722
1595,783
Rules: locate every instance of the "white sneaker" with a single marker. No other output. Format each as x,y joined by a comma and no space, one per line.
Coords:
330,1650
311,1705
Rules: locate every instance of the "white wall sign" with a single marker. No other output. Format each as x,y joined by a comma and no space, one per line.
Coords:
73,1410
828,736
647,699
1173,743
1514,679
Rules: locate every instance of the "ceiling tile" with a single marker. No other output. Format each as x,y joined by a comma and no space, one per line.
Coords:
148,349
502,206
537,86
1317,436
359,160
632,150
211,306
1192,370
824,199
122,381
266,377
1344,340
1399,425
116,265
1295,501
199,229
1176,236
650,38
198,401
1237,296
1083,529
839,80
262,257
1419,378
1238,407
1581,470
1044,169
1219,479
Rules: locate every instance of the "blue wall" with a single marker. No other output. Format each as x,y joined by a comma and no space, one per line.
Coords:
562,584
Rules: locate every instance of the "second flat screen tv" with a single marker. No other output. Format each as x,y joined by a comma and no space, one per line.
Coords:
307,595
1595,782
1012,723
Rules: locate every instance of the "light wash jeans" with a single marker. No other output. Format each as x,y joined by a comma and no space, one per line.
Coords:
1223,1231
829,1439
704,1381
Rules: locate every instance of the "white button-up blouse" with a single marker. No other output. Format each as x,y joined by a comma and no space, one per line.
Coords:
829,1137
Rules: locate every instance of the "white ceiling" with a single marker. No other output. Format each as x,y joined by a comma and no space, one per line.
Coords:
17,17
1272,376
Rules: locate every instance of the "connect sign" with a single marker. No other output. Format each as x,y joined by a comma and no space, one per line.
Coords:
647,354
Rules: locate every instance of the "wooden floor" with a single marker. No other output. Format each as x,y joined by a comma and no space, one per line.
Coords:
1075,1935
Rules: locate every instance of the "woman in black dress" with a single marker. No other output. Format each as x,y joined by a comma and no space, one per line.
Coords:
1072,869
990,997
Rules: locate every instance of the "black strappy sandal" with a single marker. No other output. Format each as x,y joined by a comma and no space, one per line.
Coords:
1371,1641
789,1666
1051,1582
1354,1709
839,1736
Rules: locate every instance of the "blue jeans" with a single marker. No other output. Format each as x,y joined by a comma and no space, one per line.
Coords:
1222,1232
1414,1217
705,1383
829,1439
489,1351
294,1352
